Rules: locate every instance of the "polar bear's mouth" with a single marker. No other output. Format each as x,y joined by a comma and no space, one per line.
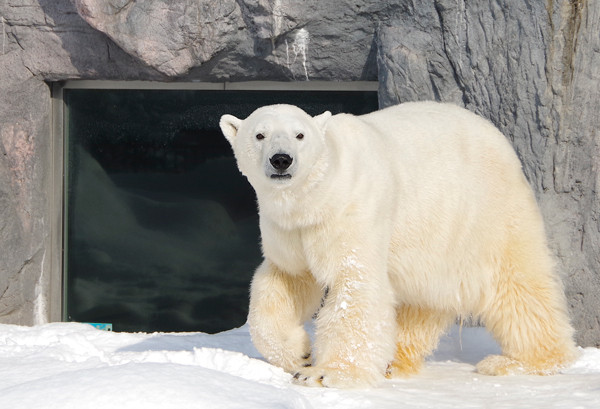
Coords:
281,176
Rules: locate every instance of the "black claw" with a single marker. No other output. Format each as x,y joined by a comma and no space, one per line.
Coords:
321,381
297,375
307,365
306,356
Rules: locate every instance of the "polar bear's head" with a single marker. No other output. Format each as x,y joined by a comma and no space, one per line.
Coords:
277,145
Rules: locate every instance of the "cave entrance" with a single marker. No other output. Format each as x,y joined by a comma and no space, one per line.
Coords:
160,230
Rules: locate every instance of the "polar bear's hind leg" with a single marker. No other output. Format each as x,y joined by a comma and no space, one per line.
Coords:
419,330
528,314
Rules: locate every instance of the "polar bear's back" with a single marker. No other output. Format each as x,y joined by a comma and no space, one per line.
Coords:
461,187
444,141
432,122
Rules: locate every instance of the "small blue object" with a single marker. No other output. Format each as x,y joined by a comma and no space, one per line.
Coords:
101,326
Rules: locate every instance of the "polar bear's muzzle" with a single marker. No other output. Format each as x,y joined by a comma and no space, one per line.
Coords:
280,162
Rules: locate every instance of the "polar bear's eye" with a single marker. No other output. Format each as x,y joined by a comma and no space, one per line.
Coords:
300,136
260,136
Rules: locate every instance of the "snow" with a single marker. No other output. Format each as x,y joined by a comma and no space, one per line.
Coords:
69,365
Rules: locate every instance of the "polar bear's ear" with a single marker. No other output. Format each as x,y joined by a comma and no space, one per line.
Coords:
322,119
229,126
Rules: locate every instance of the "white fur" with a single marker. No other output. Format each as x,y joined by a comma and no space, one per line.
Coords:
409,217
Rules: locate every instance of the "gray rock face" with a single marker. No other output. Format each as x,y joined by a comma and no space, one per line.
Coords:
231,40
532,68
171,36
23,160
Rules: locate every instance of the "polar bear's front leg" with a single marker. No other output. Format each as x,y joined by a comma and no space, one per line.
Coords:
355,330
280,303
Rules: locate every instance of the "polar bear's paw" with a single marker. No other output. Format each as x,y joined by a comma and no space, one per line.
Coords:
405,363
322,376
296,361
294,351
404,369
496,365
503,365
289,350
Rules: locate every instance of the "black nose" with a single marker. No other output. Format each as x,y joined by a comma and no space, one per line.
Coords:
281,161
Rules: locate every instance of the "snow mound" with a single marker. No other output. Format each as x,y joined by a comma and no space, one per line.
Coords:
67,365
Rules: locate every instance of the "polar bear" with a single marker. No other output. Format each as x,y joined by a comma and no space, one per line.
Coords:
387,227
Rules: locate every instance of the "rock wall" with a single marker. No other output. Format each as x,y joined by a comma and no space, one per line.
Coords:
24,130
531,67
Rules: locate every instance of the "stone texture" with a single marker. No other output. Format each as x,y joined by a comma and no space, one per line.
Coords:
531,67
23,160
54,43
171,36
244,39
